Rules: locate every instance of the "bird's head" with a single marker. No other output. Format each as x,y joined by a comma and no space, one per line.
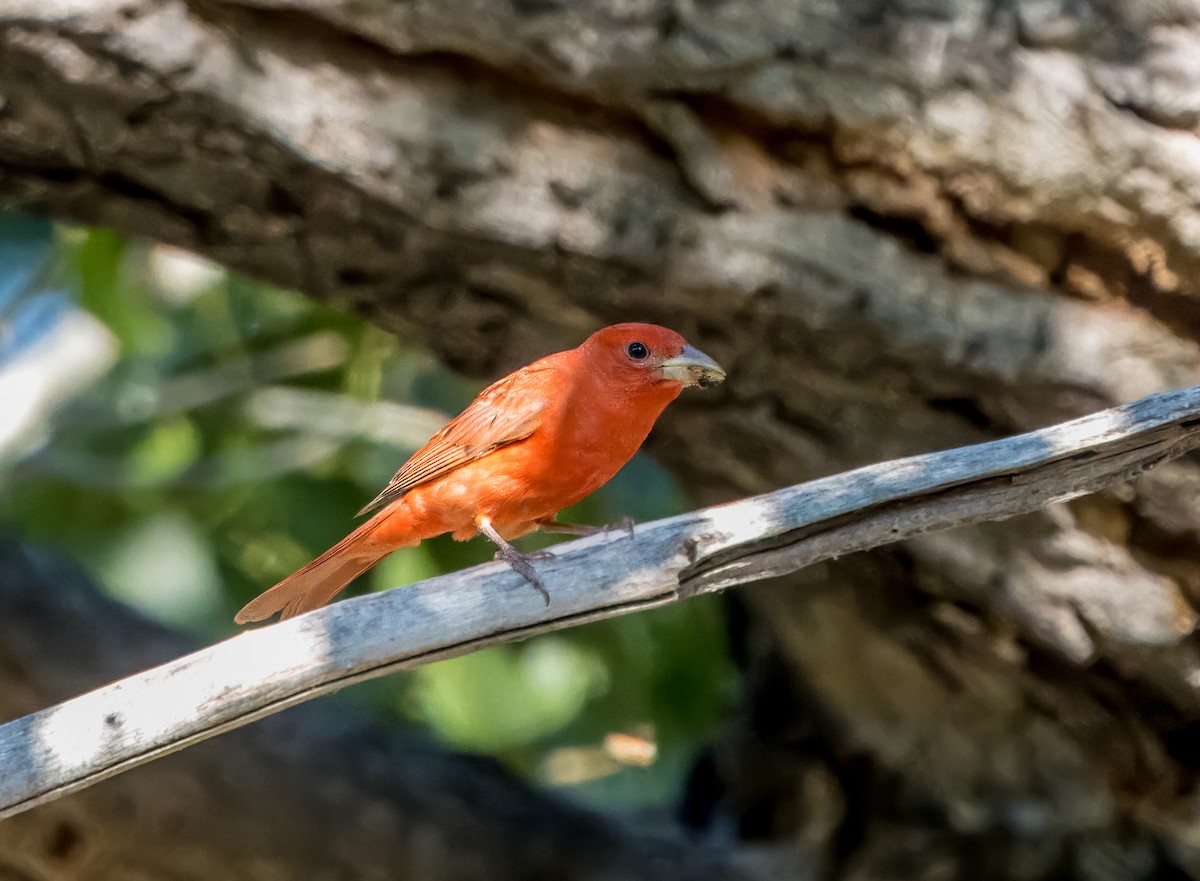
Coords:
647,354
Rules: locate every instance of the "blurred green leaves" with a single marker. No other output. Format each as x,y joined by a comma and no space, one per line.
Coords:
164,453
235,439
511,696
109,288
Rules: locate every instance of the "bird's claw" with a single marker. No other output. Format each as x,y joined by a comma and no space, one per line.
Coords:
625,524
532,556
521,564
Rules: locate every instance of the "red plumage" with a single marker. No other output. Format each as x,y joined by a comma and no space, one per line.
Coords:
532,443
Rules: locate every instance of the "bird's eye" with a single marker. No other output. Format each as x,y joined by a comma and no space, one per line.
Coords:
637,351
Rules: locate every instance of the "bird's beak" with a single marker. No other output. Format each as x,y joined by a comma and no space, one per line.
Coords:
692,367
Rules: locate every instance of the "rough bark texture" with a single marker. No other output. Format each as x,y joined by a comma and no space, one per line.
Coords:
901,224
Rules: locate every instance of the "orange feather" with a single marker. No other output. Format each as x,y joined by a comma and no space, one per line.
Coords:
535,442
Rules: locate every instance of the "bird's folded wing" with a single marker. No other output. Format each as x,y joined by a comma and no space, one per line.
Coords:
505,412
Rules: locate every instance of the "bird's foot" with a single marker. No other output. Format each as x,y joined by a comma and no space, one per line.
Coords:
521,563
514,558
625,524
532,556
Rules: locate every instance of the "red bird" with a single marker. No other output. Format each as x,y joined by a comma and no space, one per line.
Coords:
531,444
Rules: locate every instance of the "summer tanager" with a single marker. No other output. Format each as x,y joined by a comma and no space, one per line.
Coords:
531,444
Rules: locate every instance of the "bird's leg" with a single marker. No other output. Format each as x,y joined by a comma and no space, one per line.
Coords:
553,526
510,555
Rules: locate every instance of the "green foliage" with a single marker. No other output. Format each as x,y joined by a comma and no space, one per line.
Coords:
181,496
510,696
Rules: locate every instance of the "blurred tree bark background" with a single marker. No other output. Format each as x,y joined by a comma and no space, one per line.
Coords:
902,225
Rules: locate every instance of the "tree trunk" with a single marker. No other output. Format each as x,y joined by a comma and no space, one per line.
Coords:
900,224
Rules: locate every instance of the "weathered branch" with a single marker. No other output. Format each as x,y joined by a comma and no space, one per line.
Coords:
100,734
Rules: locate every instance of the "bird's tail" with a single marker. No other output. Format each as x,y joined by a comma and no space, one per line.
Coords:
322,579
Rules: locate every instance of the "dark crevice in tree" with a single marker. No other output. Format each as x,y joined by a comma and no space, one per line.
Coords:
907,230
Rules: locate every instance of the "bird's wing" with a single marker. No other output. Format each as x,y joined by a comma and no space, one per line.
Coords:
505,412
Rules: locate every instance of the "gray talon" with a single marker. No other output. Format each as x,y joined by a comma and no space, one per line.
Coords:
521,565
